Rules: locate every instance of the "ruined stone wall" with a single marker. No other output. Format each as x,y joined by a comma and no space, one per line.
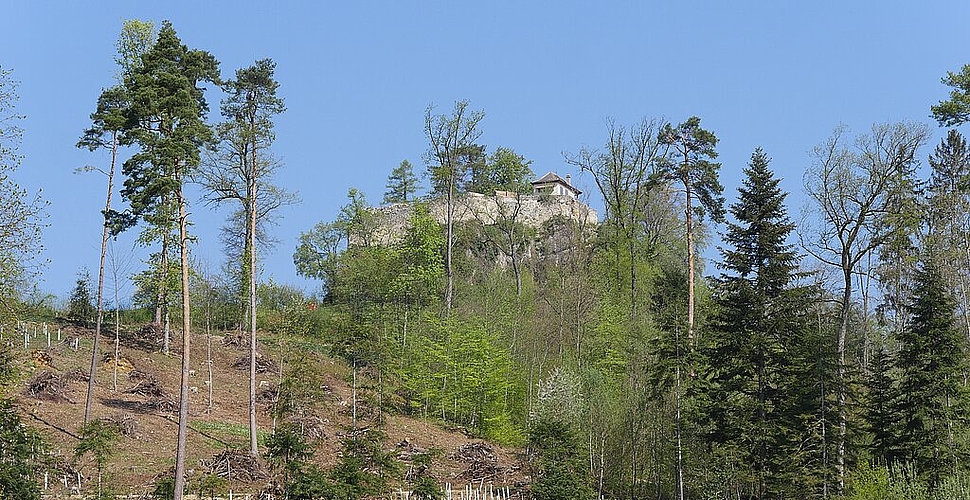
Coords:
531,210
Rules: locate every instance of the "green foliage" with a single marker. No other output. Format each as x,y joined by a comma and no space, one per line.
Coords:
560,463
933,398
20,451
287,449
749,392
299,390
364,467
162,274
955,110
81,308
98,438
882,408
503,170
317,253
426,488
422,268
692,167
901,482
452,152
462,377
869,482
402,184
310,483
136,38
164,488
166,119
211,485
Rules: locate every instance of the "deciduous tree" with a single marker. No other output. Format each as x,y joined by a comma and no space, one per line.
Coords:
21,214
851,187
241,172
451,147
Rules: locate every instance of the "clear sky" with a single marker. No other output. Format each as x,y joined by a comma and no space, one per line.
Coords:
357,77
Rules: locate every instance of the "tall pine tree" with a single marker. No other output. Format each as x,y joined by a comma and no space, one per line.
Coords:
166,120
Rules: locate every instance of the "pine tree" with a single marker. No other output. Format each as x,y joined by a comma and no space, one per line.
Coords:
402,184
754,324
166,120
931,390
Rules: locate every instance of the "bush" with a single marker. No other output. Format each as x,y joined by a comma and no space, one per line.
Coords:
902,482
18,446
560,471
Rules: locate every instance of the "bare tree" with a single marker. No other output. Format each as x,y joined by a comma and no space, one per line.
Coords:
452,140
622,173
851,187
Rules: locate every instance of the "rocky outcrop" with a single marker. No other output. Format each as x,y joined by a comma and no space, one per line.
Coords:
531,210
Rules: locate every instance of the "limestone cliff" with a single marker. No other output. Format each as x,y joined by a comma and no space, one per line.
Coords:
531,210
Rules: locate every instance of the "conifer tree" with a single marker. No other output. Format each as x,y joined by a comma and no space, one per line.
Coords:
166,120
108,122
948,212
753,326
402,184
692,168
931,391
882,414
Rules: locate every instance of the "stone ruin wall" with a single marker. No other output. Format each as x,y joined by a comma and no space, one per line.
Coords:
534,211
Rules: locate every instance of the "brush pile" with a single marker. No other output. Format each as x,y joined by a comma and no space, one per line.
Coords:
235,465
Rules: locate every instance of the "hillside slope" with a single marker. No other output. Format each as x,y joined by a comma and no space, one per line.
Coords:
51,391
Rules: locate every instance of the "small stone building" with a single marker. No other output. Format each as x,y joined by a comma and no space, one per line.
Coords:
555,185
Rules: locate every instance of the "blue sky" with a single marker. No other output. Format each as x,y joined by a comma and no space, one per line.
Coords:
357,77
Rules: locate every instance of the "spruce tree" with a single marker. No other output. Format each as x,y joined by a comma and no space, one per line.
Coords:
931,390
882,408
754,323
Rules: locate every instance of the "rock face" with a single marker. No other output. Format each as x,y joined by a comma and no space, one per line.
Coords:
531,210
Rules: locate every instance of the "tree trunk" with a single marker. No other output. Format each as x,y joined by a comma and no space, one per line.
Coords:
449,216
161,299
114,278
100,316
842,369
208,352
186,348
251,244
690,275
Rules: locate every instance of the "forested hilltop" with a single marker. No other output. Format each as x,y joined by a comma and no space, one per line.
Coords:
823,356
